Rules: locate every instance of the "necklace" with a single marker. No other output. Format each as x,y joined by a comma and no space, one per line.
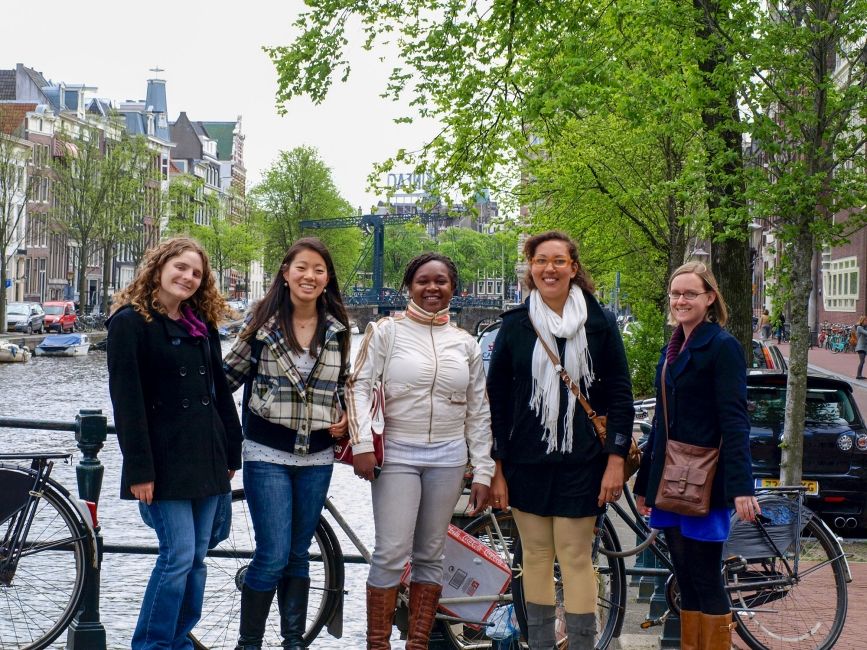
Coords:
306,323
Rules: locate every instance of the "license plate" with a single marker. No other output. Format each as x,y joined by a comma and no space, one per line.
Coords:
812,486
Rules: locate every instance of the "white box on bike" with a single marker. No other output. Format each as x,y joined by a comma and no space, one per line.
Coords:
470,568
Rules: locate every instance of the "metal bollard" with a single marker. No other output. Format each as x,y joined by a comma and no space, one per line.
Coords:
86,632
670,637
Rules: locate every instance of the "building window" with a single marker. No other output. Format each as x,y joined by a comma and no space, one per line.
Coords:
840,284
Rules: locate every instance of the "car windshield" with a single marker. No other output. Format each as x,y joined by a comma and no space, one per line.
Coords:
17,308
766,405
53,310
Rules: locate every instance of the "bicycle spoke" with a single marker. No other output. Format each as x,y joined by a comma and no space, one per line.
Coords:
795,601
45,581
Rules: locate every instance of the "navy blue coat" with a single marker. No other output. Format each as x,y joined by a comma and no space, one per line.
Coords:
176,422
706,389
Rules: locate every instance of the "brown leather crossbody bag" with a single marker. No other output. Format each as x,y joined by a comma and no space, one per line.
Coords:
687,475
633,458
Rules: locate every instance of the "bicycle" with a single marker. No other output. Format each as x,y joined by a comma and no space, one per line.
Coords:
496,529
786,574
47,548
228,562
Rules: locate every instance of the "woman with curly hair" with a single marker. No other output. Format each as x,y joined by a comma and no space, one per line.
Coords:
176,424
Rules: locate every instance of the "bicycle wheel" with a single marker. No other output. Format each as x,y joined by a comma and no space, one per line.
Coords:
468,637
611,591
227,564
794,601
40,594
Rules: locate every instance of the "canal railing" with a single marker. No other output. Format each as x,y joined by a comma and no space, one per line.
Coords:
87,632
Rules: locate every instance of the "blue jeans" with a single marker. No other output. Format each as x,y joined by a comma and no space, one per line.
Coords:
285,504
172,602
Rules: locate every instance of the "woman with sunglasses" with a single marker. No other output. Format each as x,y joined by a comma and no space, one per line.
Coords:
551,468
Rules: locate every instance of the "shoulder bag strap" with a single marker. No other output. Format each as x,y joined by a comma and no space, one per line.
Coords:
255,352
576,390
664,393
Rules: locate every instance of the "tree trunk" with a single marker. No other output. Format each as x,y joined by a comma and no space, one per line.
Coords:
730,256
730,261
3,274
83,297
792,443
107,267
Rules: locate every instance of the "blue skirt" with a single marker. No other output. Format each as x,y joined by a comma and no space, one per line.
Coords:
713,527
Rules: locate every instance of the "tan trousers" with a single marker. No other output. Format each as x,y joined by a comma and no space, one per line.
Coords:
568,539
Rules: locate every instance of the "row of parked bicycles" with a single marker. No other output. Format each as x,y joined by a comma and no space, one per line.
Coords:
837,337
786,574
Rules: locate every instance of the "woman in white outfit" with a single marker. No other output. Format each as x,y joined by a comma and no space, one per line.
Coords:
436,409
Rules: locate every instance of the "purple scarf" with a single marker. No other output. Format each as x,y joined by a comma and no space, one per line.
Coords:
677,343
192,323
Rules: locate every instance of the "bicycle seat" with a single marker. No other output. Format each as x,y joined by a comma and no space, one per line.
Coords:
37,456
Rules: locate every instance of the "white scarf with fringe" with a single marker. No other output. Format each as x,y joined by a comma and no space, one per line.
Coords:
545,400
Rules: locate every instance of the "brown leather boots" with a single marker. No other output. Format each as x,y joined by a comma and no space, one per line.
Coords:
423,600
380,615
705,631
716,632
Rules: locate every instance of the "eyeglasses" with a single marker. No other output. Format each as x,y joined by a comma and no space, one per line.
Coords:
686,295
543,262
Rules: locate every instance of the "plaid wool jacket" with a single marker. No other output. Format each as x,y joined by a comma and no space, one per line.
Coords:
279,394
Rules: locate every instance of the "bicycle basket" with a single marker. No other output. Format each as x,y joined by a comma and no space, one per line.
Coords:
781,522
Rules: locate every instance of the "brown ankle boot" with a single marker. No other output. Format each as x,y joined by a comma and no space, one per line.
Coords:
690,630
716,631
423,600
380,614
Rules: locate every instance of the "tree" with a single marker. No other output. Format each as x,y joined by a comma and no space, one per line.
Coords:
297,187
508,79
403,242
804,72
80,189
17,185
131,177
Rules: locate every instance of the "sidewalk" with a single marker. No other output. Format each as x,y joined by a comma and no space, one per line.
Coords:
841,365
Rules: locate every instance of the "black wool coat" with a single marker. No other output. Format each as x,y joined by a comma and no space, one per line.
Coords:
176,422
706,389
516,427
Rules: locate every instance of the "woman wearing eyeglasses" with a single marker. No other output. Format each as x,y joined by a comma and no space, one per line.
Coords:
551,468
706,395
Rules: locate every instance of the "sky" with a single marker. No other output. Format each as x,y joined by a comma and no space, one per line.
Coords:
215,70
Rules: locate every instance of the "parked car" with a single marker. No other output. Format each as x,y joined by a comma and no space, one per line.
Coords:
239,306
26,317
835,445
766,358
60,316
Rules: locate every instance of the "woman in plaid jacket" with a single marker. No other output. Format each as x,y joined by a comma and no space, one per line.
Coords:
294,352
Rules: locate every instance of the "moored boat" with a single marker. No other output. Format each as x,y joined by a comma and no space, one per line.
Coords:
12,353
63,345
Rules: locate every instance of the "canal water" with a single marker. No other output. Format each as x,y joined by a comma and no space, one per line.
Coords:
55,389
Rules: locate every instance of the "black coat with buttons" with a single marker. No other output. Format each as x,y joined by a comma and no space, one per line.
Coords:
176,422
